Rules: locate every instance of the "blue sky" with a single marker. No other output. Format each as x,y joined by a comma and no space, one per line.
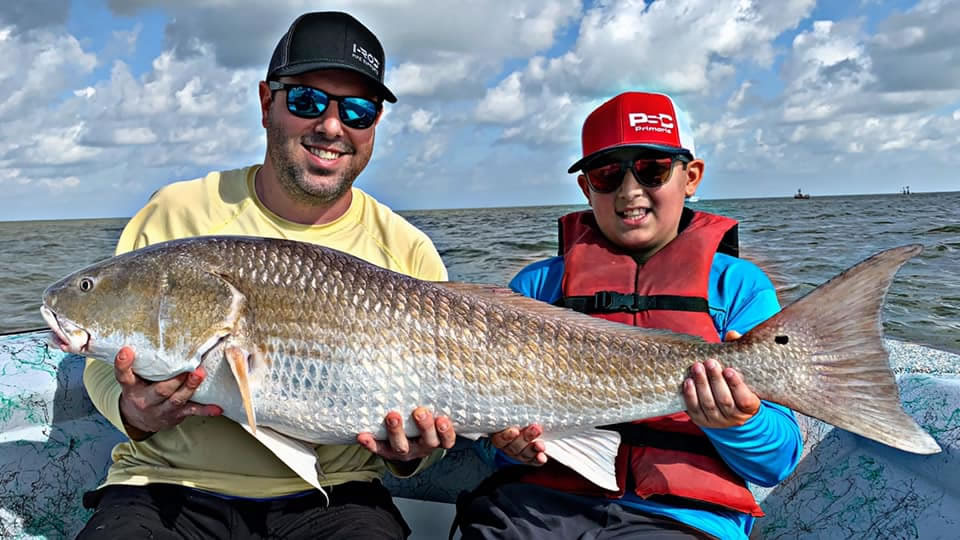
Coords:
102,102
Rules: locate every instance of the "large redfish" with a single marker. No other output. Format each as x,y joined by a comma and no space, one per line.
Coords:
307,345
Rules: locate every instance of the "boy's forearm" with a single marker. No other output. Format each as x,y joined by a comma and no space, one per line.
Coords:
763,451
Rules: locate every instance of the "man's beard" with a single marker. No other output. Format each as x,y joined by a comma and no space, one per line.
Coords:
292,177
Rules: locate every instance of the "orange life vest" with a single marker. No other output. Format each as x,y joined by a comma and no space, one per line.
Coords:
667,457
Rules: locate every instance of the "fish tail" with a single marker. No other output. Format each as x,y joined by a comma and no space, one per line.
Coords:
837,368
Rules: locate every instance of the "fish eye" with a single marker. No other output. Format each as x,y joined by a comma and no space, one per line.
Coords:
85,284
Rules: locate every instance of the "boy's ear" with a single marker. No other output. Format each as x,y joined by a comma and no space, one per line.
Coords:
694,174
582,182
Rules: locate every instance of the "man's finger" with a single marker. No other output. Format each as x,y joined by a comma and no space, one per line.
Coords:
396,436
123,367
448,436
161,391
428,429
182,395
367,441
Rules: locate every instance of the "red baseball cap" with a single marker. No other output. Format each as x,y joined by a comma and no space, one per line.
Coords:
636,120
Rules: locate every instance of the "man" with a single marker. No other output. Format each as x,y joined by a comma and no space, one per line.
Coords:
189,473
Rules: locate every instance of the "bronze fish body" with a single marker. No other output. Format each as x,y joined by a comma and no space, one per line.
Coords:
305,345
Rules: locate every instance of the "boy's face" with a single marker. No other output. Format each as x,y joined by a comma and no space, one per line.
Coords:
644,219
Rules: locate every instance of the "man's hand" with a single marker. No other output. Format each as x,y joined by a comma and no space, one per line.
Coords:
434,433
522,445
147,407
717,397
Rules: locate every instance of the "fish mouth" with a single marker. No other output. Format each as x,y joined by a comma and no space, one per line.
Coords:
76,339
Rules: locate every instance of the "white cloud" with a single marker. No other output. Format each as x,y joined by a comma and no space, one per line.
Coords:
134,135
446,74
503,104
630,44
37,67
422,121
497,85
57,185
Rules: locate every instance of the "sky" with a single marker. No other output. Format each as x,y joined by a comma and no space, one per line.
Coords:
104,101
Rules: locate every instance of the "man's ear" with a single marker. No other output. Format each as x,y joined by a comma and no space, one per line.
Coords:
693,176
584,187
266,99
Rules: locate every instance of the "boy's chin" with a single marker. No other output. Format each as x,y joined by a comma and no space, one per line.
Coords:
633,242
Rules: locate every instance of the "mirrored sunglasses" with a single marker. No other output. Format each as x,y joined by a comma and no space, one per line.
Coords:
309,102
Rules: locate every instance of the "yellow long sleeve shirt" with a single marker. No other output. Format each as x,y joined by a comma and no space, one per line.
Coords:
216,454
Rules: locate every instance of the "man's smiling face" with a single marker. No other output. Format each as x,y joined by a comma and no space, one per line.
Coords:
316,160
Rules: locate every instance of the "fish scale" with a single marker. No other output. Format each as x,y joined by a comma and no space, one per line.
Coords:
328,344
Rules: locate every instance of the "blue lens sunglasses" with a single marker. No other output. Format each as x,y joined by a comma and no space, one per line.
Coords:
308,102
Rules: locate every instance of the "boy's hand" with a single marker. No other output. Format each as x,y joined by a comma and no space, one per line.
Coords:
522,445
434,433
718,397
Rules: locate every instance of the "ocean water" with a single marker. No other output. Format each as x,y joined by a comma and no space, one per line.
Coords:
799,243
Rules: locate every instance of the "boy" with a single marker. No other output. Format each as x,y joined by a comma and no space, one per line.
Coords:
639,257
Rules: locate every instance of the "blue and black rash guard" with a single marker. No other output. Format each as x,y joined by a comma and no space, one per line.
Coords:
766,449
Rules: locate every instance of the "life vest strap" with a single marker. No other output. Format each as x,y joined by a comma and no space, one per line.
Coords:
612,302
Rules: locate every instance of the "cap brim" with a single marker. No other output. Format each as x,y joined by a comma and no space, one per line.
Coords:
304,67
669,150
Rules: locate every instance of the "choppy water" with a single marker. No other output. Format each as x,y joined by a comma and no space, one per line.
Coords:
800,243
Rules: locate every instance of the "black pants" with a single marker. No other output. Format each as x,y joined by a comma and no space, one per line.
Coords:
518,511
357,510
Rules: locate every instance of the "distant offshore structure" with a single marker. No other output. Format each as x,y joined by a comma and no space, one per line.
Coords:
801,195
905,190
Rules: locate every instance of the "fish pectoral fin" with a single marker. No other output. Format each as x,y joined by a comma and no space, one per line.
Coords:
237,358
300,456
592,454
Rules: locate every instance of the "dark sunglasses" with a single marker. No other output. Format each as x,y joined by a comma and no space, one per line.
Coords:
308,102
649,173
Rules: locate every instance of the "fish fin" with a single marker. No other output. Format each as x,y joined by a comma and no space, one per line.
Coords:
300,456
237,358
843,370
592,454
562,316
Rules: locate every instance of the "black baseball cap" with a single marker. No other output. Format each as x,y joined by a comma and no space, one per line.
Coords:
330,40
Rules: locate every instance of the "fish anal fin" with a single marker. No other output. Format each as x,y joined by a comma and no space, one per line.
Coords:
237,358
300,456
592,454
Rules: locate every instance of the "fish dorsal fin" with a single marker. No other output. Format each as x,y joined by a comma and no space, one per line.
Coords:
592,454
563,316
